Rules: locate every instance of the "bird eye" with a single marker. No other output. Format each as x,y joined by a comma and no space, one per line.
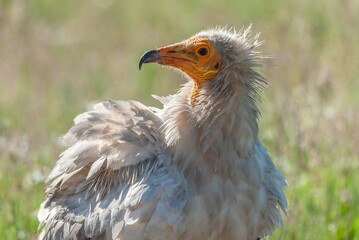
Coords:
203,51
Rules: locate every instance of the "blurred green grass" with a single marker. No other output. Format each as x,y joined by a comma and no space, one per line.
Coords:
58,56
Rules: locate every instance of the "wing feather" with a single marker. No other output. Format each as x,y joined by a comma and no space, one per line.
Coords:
106,179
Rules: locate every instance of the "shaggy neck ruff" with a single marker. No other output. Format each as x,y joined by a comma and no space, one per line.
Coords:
220,128
212,128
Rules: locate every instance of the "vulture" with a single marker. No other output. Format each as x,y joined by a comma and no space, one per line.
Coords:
194,169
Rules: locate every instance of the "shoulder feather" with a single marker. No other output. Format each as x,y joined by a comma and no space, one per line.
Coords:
110,147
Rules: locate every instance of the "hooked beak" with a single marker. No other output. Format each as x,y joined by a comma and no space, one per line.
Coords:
149,57
173,55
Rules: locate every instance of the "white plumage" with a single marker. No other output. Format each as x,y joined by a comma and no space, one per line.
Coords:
192,170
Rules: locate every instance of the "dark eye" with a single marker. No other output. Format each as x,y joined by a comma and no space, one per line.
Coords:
203,51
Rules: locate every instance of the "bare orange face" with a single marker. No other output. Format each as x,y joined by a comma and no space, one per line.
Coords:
196,56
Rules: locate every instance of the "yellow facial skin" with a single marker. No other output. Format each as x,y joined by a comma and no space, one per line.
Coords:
196,57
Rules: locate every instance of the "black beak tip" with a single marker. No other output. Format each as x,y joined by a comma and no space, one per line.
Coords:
148,57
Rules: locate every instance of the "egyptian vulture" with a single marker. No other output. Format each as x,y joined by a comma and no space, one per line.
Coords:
194,169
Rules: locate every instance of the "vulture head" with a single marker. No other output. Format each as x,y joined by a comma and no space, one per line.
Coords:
220,62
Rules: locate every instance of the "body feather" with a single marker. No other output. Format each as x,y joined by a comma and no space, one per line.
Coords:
180,172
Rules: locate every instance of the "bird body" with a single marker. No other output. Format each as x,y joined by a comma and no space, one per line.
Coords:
194,169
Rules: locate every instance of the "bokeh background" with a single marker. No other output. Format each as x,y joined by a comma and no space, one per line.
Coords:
56,57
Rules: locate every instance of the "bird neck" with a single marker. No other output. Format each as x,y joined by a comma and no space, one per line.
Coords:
215,131
194,93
